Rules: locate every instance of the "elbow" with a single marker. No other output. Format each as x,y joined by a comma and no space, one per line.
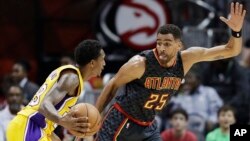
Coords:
42,108
233,51
236,52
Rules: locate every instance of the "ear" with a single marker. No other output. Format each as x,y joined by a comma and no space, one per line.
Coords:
92,63
180,45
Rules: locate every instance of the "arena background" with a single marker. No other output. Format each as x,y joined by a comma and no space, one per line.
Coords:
42,31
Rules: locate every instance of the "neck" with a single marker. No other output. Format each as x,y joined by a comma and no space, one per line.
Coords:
179,133
14,111
171,62
85,73
225,130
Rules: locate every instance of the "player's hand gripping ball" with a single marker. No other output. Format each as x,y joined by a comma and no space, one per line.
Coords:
94,117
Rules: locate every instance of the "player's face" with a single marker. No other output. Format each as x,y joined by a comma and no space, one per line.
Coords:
179,122
167,47
226,118
99,64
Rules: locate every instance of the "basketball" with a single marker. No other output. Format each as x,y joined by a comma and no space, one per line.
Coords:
94,117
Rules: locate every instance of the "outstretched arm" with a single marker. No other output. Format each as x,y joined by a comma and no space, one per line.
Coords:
231,49
130,71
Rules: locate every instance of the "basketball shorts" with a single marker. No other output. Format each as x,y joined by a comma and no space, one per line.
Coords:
118,127
23,129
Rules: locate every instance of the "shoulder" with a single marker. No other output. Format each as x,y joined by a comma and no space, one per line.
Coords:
136,62
32,84
69,79
166,133
209,90
4,112
137,59
212,135
134,67
191,135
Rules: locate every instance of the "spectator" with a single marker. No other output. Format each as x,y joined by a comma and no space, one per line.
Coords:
230,81
226,117
201,102
14,104
6,82
179,132
245,63
20,76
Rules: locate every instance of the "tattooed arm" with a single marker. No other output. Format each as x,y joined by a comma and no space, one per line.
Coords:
231,49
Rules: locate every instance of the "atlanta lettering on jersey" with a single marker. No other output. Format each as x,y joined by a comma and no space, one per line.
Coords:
160,83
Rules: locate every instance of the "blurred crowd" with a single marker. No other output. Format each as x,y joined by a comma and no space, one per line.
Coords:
213,96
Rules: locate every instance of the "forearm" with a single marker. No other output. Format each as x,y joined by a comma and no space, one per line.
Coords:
106,96
54,137
49,111
234,45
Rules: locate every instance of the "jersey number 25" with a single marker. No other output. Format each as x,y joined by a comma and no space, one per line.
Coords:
156,101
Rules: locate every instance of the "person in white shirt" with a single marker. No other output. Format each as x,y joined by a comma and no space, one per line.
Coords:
201,102
14,104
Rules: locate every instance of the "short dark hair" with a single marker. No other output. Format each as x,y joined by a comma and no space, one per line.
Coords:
25,65
226,108
170,29
13,85
179,111
86,51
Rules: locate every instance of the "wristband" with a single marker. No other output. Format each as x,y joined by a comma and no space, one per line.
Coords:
236,34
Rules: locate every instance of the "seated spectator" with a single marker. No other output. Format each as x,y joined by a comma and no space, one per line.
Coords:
245,56
178,132
226,117
201,103
245,63
14,104
20,76
230,81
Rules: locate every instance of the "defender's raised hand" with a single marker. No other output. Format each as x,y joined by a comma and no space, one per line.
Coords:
236,18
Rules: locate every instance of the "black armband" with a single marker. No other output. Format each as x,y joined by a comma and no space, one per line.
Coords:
236,34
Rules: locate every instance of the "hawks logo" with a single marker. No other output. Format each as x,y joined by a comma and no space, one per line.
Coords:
132,22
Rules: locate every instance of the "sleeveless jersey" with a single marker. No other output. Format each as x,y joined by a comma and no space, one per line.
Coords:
31,110
143,98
